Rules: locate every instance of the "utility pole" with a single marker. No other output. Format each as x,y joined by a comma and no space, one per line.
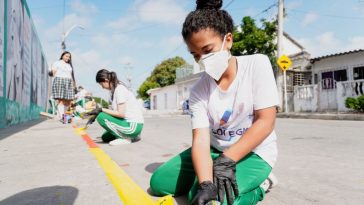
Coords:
281,77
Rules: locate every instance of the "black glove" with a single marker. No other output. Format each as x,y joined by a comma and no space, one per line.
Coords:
91,120
95,111
206,192
225,179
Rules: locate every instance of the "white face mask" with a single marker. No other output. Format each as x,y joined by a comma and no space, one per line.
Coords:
215,63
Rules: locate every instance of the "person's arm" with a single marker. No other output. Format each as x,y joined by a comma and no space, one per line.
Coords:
262,126
53,71
120,112
201,157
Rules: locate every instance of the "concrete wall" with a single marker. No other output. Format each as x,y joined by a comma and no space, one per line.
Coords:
164,98
312,98
305,98
348,89
23,67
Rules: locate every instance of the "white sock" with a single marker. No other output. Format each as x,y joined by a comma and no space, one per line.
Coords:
60,109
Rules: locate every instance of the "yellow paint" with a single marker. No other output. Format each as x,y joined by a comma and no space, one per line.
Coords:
80,131
129,192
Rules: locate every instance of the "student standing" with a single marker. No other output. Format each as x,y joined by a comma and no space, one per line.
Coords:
64,83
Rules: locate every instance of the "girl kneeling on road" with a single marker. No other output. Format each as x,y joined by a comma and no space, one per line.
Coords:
124,121
233,110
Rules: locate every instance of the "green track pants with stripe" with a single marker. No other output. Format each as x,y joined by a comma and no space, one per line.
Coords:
118,127
177,177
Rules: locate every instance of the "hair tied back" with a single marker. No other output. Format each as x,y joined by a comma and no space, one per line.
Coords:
208,4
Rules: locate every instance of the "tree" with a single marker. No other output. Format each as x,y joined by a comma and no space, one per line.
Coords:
250,39
146,85
163,74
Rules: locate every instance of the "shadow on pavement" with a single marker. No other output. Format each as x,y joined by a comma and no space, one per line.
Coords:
44,195
153,166
13,129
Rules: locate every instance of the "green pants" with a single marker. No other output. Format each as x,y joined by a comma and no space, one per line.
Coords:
118,127
177,177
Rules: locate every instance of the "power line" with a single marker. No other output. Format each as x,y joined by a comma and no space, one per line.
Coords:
266,10
228,4
64,12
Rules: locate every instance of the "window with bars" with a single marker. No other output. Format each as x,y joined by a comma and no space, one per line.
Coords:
358,73
329,79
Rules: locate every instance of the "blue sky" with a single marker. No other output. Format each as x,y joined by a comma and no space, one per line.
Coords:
142,33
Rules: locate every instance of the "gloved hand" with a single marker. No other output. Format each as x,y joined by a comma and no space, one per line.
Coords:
224,178
206,192
91,120
95,111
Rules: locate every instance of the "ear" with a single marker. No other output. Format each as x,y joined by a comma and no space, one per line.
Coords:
229,40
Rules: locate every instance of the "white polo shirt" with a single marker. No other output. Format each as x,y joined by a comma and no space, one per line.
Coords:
133,110
63,69
229,114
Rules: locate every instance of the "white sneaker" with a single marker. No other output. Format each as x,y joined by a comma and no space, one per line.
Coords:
269,183
120,141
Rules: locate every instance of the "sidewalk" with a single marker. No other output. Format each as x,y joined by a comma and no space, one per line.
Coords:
322,116
45,162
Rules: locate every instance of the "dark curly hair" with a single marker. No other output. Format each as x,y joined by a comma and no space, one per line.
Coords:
208,15
103,75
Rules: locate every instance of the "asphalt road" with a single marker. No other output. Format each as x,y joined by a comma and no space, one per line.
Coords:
320,161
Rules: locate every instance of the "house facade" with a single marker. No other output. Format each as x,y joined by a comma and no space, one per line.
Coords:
334,78
317,84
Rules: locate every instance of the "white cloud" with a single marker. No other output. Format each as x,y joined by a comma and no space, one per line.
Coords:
83,8
323,44
327,43
125,22
100,40
359,9
356,42
162,11
294,4
309,18
169,12
171,43
327,39
69,21
124,60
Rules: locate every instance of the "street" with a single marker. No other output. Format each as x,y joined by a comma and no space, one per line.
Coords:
320,161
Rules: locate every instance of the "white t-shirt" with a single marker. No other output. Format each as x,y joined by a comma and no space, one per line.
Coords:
230,113
63,69
133,111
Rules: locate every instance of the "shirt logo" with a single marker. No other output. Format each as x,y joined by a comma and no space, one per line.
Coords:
225,117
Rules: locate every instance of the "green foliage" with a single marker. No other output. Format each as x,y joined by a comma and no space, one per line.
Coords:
101,102
355,103
144,87
251,39
163,74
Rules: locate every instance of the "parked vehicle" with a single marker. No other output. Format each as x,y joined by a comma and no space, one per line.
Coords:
147,104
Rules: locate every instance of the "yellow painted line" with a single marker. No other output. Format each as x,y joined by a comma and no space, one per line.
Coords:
129,192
